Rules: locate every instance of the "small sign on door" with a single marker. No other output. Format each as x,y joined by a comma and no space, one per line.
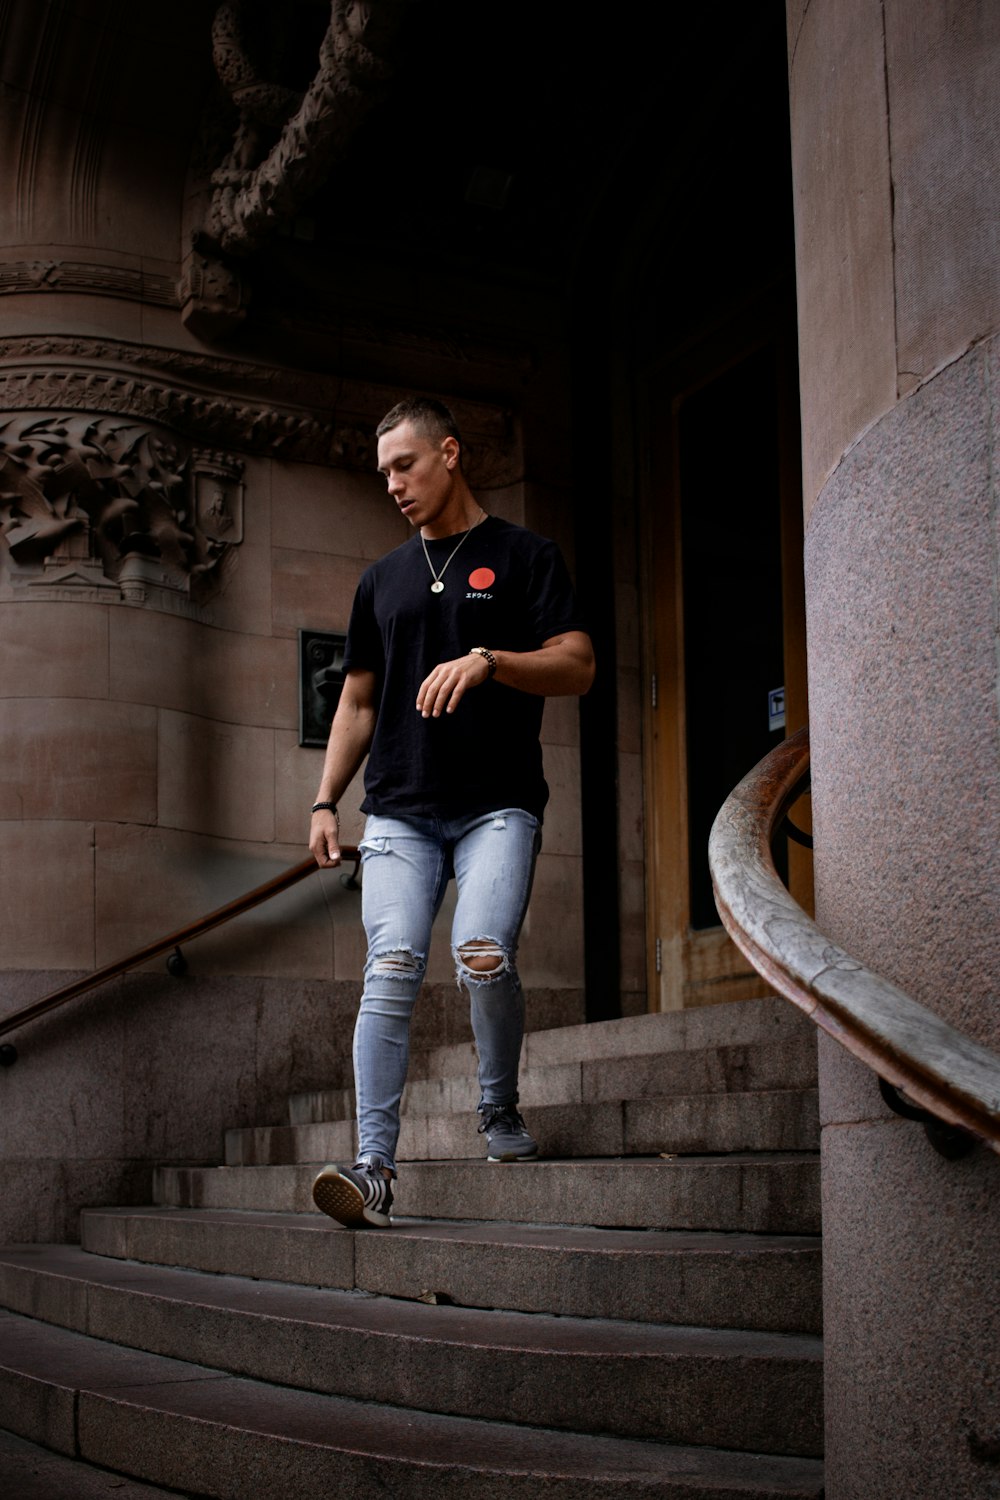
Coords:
776,708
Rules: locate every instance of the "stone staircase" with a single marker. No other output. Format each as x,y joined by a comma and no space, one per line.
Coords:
636,1314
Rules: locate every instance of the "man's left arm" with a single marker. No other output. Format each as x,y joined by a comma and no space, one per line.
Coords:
563,666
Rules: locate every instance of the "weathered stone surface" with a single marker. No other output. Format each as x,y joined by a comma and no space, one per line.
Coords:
931,1229
215,779
766,1120
784,1065
899,561
709,1280
712,1280
436,1321
32,666
38,1381
219,1433
311,592
298,1248
740,1192
843,230
280,1145
944,124
740,1024
776,1120
77,759
34,858
83,1119
34,1473
650,1036
288,938
240,679
344,514
755,1391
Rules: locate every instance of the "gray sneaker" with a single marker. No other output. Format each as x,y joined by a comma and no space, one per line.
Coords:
506,1136
355,1196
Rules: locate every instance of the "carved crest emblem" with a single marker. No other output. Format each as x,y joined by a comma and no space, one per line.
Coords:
217,496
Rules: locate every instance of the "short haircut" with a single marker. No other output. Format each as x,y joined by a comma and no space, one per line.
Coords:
430,418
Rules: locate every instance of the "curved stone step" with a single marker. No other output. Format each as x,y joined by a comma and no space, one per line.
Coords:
789,1062
776,1120
712,1280
759,1392
740,1023
739,1068
31,1472
204,1431
754,1192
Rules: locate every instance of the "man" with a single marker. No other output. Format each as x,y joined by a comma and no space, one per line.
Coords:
455,639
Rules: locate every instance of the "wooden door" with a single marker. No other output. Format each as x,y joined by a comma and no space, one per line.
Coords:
724,632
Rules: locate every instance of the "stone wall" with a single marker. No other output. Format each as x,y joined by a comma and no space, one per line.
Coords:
896,129
151,772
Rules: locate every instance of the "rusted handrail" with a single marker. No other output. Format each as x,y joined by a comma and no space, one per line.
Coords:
937,1067
256,897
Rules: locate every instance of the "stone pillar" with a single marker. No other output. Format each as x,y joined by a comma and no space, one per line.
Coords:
896,159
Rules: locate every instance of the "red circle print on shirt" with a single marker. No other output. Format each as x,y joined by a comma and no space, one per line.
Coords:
481,578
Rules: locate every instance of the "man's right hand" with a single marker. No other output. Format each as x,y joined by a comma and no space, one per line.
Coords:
350,735
324,840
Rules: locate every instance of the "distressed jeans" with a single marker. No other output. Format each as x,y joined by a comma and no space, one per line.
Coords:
407,863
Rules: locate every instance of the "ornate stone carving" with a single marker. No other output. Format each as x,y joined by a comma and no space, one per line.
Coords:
134,282
353,447
217,491
211,401
169,387
103,506
255,187
212,296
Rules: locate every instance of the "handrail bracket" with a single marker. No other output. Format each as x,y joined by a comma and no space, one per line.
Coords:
950,1141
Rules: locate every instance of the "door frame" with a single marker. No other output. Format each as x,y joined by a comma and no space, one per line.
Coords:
687,967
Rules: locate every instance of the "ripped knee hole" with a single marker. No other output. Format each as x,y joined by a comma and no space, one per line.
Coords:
481,955
398,961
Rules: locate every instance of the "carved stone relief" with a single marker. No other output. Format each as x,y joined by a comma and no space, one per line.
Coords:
257,184
120,474
213,296
224,403
88,276
104,508
191,394
281,145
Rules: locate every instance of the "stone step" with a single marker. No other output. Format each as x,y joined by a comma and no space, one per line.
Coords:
788,1063
206,1431
778,1120
751,1192
736,1023
739,1068
31,1472
759,1392
765,1282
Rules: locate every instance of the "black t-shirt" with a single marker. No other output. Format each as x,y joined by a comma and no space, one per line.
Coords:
505,588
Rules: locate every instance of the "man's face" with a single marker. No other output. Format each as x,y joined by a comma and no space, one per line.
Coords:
418,472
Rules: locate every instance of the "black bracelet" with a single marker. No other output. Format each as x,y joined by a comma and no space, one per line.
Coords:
488,658
325,807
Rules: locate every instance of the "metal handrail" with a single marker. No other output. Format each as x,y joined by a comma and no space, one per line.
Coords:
935,1066
246,902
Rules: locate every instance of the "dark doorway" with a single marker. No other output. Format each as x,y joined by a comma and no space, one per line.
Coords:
727,434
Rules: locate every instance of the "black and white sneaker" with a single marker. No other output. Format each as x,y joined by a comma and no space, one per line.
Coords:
355,1196
506,1136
